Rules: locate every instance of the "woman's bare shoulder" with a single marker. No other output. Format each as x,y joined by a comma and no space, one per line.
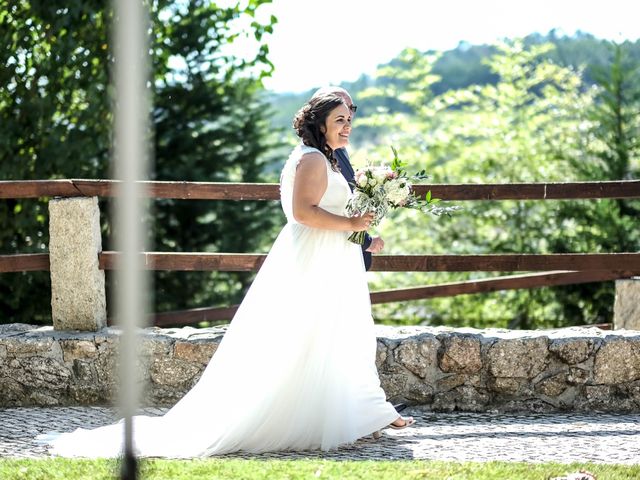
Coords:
312,159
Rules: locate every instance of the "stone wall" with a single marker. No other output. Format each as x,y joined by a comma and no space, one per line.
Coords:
444,369
626,309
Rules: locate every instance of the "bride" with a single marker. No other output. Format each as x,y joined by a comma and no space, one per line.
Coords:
296,368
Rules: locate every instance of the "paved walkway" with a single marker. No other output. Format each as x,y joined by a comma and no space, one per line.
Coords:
564,438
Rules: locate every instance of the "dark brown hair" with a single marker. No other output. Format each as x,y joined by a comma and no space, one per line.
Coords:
311,119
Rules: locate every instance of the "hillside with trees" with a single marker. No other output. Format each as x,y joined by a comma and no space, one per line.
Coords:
458,68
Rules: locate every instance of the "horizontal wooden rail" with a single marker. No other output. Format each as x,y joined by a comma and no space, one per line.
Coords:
24,262
234,262
507,262
248,262
270,191
511,282
533,191
223,262
194,315
485,285
109,188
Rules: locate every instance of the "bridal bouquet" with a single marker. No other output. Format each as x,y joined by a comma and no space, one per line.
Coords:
380,189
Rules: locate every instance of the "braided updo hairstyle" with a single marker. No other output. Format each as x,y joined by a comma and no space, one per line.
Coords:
311,119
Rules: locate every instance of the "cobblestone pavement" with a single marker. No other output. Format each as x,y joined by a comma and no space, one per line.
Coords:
564,438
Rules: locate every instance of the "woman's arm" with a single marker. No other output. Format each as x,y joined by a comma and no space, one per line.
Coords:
309,186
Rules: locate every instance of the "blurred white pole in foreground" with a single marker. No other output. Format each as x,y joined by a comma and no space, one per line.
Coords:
130,152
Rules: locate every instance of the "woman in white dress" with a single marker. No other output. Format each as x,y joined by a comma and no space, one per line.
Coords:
296,368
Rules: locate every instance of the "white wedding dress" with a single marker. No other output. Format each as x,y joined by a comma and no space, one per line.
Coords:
296,368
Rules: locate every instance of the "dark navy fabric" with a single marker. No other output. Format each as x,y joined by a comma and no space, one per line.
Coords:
346,169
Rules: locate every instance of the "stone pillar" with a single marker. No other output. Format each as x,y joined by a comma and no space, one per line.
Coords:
626,310
77,284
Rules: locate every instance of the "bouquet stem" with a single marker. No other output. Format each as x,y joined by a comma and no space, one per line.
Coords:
357,237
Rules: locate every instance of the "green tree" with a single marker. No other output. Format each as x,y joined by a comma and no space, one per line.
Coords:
607,225
209,125
617,118
525,128
54,107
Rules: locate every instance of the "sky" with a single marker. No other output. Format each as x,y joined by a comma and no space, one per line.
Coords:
320,42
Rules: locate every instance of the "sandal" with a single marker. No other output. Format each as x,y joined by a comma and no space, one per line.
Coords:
408,421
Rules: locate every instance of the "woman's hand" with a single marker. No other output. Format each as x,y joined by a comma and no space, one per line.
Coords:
362,222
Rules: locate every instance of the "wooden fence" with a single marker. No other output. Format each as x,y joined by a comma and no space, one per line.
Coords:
557,269
270,191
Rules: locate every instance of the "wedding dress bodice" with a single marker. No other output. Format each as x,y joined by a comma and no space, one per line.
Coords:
336,196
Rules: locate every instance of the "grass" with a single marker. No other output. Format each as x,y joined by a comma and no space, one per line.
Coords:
210,469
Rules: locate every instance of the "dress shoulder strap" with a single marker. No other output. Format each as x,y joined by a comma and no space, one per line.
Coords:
306,149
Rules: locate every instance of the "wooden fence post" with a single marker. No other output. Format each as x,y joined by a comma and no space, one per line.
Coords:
626,310
77,284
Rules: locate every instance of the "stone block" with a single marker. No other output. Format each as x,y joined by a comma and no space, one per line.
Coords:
518,358
504,385
460,354
418,392
106,367
198,352
572,350
632,391
598,396
173,372
20,346
444,401
450,382
617,361
77,284
626,309
12,393
153,347
465,398
553,386
419,356
393,384
43,398
83,371
381,354
533,405
78,349
40,373
472,399
577,376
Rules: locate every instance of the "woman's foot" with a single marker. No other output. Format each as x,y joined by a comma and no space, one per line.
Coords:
402,422
398,424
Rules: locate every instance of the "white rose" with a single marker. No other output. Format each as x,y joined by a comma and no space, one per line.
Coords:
380,174
397,192
362,181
